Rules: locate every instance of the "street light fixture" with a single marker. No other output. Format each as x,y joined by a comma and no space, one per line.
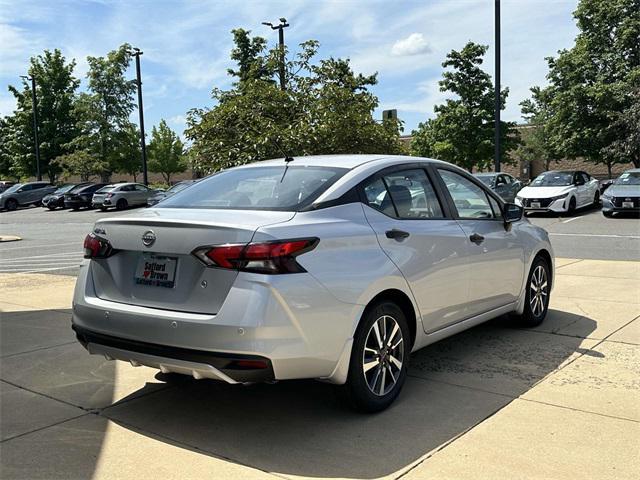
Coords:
136,53
34,104
283,24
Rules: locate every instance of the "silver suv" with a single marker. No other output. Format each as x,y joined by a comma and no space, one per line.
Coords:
122,195
23,194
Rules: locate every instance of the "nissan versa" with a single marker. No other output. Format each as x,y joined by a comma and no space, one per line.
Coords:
327,267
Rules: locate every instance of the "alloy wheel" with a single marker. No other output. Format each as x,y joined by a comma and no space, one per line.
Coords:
538,291
383,355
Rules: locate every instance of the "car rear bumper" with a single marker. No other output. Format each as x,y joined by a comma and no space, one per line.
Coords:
291,321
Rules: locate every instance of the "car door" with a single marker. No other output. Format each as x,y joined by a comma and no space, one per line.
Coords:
25,194
494,254
582,189
592,186
422,240
141,194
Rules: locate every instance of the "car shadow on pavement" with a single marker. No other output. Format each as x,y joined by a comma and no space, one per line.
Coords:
300,428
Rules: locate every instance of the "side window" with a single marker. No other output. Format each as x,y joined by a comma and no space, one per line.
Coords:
507,179
585,177
127,188
500,180
470,200
26,188
141,188
406,194
413,195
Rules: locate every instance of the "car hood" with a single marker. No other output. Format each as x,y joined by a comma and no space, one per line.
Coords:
544,192
623,191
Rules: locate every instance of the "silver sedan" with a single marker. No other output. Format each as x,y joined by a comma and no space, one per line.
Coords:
327,267
121,196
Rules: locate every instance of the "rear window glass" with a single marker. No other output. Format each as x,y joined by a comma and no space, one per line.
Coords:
106,189
258,188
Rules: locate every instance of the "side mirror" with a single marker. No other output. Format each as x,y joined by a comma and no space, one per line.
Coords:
512,212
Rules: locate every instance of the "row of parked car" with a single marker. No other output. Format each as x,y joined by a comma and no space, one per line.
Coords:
565,191
83,195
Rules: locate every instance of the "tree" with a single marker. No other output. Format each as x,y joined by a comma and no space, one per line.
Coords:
166,152
80,163
5,152
104,110
326,108
463,130
127,156
627,146
56,91
592,83
538,141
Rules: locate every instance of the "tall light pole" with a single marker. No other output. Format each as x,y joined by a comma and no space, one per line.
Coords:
143,144
34,104
497,85
280,28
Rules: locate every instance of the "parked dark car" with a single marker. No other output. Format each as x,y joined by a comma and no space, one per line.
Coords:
56,199
171,191
23,194
604,184
623,196
81,197
502,183
5,184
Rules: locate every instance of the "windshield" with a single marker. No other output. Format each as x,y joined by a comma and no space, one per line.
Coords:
65,188
179,186
257,188
15,188
106,189
553,179
628,178
486,179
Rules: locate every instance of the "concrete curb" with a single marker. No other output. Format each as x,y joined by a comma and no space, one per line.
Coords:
9,238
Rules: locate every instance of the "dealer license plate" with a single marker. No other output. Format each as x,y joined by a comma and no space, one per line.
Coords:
627,204
156,270
535,204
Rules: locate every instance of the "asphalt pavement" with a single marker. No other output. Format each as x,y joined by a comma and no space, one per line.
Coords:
52,240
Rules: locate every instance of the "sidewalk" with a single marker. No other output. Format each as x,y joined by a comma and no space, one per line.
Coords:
559,401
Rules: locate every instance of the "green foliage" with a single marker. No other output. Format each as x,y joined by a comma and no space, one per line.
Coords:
463,130
538,143
128,157
626,147
80,163
166,152
592,83
55,91
104,111
325,109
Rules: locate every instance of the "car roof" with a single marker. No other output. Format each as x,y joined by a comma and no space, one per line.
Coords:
488,174
350,161
632,170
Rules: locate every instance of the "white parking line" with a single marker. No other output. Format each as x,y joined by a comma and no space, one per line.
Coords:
592,235
571,219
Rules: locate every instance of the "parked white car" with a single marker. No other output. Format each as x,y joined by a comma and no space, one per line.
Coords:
559,191
121,196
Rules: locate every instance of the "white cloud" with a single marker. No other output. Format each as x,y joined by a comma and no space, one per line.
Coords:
414,44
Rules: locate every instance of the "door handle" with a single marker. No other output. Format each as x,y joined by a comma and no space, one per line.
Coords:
397,234
476,238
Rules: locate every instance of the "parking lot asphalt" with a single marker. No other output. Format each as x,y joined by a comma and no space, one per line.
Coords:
560,401
52,240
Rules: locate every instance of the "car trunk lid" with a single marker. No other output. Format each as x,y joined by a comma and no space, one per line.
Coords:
129,275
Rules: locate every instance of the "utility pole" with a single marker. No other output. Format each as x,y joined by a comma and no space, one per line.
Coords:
280,28
34,104
497,85
136,53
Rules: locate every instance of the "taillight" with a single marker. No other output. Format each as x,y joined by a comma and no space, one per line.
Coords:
96,247
260,257
108,195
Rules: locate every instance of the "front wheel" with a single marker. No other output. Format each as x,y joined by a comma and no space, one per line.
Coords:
607,214
11,204
537,294
596,200
51,207
378,366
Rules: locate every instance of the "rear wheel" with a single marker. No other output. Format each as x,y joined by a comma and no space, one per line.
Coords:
537,294
103,209
121,204
607,214
378,366
51,207
11,204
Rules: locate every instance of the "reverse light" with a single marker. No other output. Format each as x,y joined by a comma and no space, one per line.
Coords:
97,247
272,257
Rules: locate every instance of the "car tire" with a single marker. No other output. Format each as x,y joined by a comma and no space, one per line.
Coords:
596,200
572,206
11,204
121,204
103,209
51,207
536,306
368,387
607,214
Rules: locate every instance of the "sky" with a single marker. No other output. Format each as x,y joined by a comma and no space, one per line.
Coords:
186,44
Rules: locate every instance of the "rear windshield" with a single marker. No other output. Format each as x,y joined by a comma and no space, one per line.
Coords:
258,188
486,179
65,188
106,189
553,179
